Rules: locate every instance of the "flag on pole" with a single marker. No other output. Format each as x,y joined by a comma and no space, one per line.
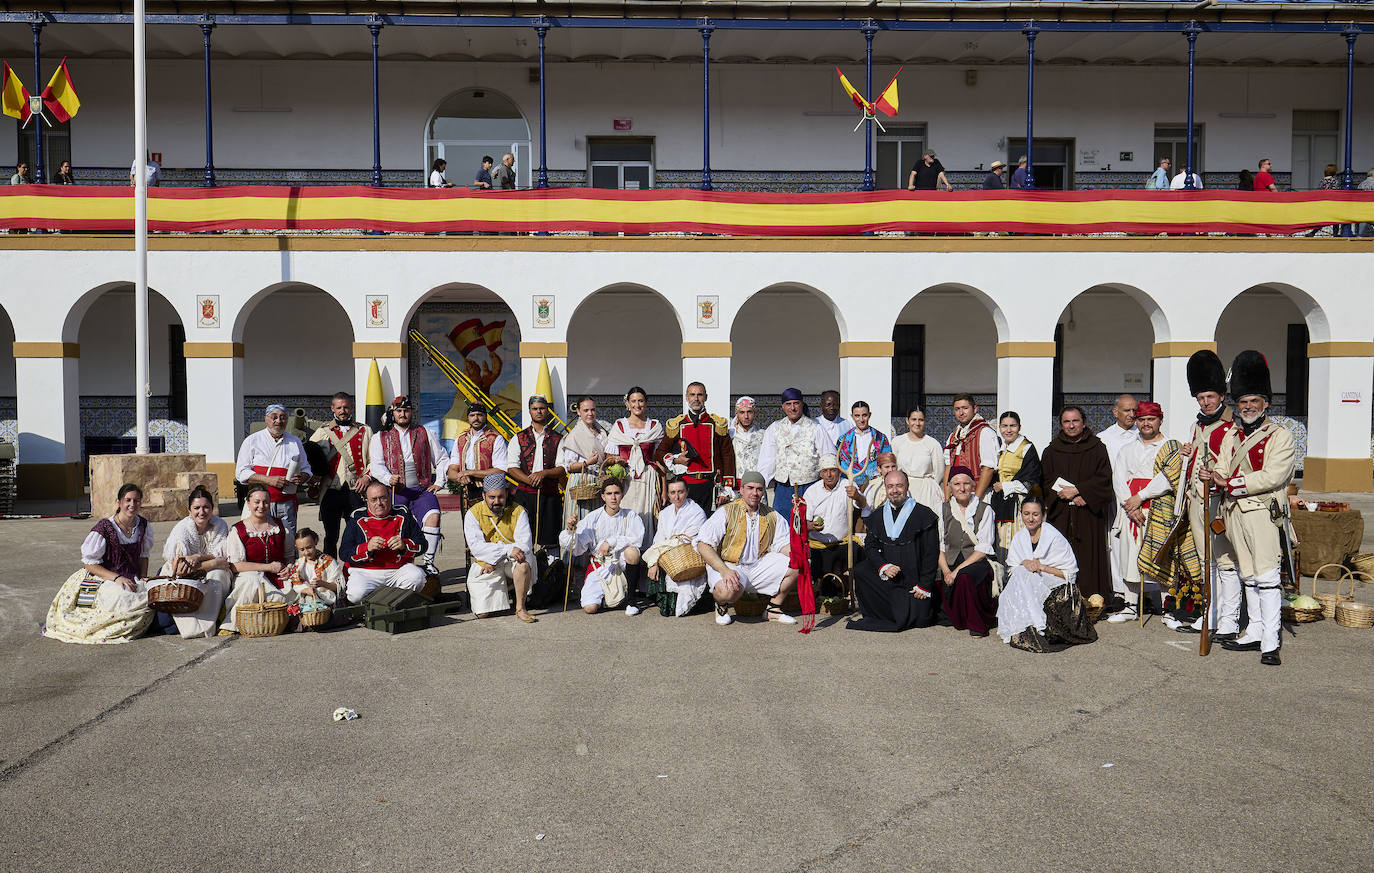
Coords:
854,95
887,100
466,336
15,99
60,95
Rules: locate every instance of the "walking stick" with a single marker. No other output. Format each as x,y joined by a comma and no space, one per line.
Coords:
849,539
567,586
1204,645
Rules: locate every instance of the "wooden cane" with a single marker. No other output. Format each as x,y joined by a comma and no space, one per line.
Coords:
567,586
849,517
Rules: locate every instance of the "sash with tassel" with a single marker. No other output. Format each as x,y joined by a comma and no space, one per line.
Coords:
800,560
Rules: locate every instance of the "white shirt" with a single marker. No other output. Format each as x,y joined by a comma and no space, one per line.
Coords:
94,545
437,180
713,532
489,552
833,431
1114,438
987,451
832,506
261,449
768,454
512,450
1136,460
618,532
982,535
152,172
436,451
1177,183
498,452
686,521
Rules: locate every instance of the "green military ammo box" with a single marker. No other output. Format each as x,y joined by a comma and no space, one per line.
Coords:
398,610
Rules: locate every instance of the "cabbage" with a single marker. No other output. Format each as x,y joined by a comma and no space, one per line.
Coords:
1306,602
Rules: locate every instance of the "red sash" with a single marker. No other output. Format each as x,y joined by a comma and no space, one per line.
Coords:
1136,486
277,495
799,559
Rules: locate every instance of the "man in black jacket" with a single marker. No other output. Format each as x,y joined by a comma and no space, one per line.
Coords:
898,582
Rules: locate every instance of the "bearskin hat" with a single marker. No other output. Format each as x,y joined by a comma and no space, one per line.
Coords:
1205,373
1250,375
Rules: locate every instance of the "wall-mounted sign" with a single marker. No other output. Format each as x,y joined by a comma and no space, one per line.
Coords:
622,124
207,307
376,310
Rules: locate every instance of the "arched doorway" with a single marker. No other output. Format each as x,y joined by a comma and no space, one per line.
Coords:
785,336
9,400
477,332
473,123
106,375
621,336
1104,343
944,343
297,351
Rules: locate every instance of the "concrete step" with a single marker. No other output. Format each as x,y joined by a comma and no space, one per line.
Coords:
199,478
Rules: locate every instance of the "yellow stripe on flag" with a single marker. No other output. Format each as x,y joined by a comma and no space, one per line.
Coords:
60,95
14,101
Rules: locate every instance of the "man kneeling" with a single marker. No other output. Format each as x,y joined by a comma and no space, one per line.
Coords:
501,546
379,545
746,552
612,535
898,584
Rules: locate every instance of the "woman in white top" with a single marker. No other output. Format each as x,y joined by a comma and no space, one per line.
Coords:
1041,604
679,522
581,453
195,554
1018,474
106,601
922,458
256,546
436,174
634,438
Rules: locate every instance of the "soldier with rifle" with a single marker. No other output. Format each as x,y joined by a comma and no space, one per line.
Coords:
1255,477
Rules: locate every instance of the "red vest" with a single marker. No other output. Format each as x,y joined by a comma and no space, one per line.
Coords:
263,549
700,431
527,443
485,443
1214,441
383,559
395,461
965,452
355,451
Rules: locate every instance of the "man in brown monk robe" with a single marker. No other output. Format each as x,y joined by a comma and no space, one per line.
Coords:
1078,495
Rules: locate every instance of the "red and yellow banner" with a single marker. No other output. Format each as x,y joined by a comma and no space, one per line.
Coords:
419,210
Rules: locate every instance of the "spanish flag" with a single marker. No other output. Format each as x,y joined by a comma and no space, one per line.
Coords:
14,97
887,100
466,336
60,95
491,334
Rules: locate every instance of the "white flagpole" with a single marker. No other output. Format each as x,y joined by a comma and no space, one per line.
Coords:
140,229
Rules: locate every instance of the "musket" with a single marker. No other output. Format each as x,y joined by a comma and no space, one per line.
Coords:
1204,644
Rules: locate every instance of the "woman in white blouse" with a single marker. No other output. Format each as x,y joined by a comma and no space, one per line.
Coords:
195,554
922,458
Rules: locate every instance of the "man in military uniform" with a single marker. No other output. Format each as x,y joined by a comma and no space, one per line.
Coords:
1206,446
1255,478
697,446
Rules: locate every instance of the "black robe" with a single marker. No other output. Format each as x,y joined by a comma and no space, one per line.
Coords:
888,604
1084,463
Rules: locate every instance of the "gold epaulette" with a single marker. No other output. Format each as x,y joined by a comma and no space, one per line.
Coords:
673,427
722,425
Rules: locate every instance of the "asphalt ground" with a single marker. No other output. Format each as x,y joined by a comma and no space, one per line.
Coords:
610,742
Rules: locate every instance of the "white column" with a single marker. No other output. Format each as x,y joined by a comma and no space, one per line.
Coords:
1025,377
1171,385
866,374
1338,417
214,414
709,364
48,395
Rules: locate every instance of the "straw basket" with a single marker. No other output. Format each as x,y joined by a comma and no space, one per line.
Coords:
316,618
1363,562
750,608
1329,601
1353,614
584,491
1092,606
261,619
1301,616
175,598
682,561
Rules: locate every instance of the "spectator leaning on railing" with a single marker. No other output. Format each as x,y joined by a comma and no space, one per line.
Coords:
1264,179
993,180
482,181
503,177
928,174
1020,178
1159,179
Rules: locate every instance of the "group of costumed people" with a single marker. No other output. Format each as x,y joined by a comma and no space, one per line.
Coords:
981,529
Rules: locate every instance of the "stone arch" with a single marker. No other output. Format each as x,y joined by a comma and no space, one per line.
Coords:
931,361
626,334
9,388
473,122
1103,349
479,333
786,334
1278,320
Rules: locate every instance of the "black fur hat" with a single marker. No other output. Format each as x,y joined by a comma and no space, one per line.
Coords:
1250,375
1205,373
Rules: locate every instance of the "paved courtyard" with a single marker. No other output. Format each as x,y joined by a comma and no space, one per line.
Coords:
600,743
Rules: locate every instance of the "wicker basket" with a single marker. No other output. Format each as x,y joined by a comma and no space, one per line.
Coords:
682,561
1329,601
1353,614
1301,616
175,598
1093,611
1363,562
750,608
316,618
261,619
833,606
584,491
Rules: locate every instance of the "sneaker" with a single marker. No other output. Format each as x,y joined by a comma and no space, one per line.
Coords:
1171,623
1125,615
631,609
723,616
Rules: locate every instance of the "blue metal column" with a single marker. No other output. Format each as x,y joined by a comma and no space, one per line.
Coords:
1190,31
37,26
1350,32
541,27
1031,31
706,28
207,25
376,28
870,27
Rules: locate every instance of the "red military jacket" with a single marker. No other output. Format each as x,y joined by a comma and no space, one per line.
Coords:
709,437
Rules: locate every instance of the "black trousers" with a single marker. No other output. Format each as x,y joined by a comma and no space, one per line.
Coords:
703,494
549,514
336,504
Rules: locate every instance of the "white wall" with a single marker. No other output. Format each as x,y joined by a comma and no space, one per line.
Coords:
1107,335
619,339
107,344
783,339
6,355
297,341
961,341
758,119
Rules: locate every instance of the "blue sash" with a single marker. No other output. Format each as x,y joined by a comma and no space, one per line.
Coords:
895,522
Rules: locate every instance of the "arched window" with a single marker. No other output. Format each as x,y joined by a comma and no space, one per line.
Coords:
476,122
